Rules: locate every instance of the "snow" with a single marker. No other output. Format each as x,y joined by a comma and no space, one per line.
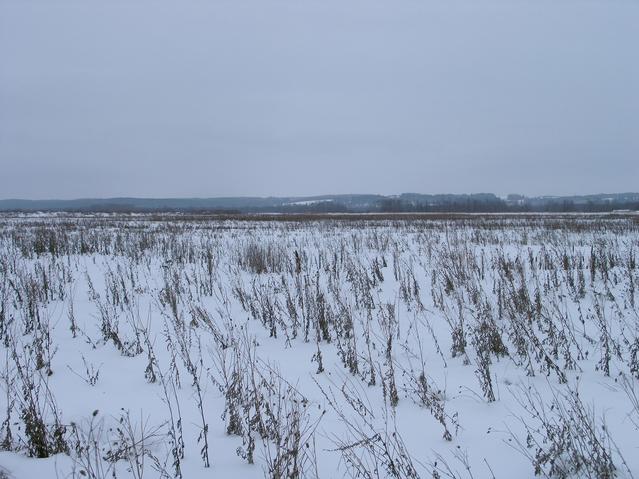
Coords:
360,270
310,202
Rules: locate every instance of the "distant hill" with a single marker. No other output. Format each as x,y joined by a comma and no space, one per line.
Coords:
406,202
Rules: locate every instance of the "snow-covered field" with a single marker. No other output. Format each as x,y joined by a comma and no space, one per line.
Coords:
155,346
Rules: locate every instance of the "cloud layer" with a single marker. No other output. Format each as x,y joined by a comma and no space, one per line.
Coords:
283,97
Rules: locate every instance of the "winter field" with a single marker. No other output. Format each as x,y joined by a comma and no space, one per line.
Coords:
174,346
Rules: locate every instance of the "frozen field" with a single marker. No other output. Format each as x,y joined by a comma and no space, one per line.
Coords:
157,346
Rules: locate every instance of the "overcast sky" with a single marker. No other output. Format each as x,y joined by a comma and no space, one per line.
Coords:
297,97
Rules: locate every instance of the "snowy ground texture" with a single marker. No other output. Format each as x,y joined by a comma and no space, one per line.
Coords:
156,346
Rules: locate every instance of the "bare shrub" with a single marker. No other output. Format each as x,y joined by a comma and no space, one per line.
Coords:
564,438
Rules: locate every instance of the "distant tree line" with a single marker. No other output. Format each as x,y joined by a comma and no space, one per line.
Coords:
497,205
478,203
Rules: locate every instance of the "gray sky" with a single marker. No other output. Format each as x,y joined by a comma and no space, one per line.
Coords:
294,97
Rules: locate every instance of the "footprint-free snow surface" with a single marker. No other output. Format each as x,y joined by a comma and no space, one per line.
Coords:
175,346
